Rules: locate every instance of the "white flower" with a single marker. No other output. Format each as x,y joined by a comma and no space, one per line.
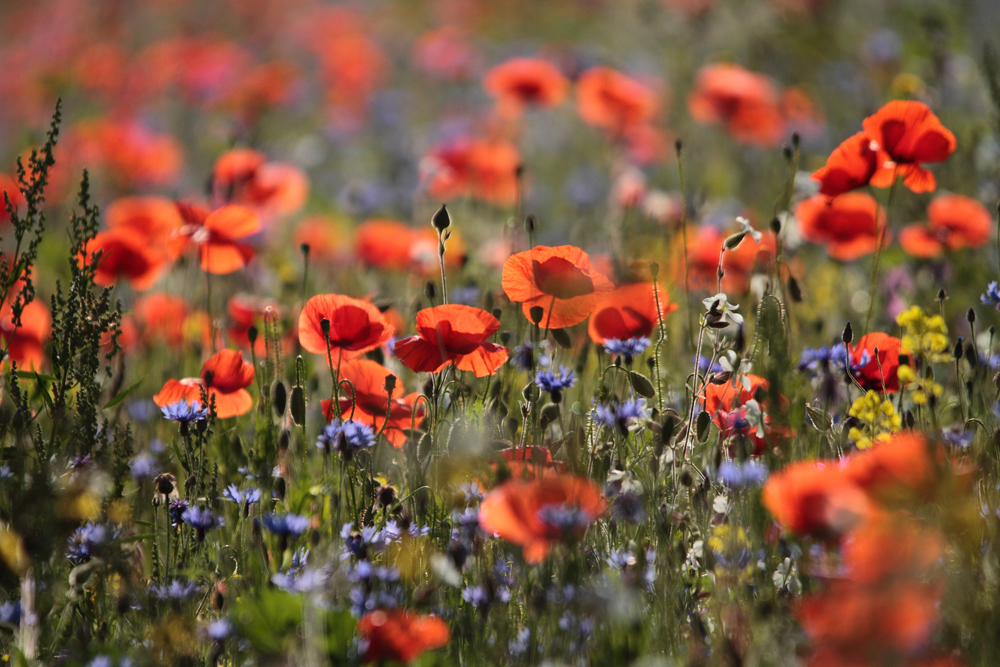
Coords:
748,228
719,308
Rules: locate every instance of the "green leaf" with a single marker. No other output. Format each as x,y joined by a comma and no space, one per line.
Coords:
122,395
268,620
703,424
561,338
819,418
32,375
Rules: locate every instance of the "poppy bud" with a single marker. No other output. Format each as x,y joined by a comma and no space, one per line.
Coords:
279,397
942,295
189,483
497,313
734,240
252,335
971,316
304,249
787,151
848,334
529,224
970,356
654,269
741,339
390,382
441,219
686,478
279,487
298,406
324,325
208,376
957,352
505,338
536,313
776,226
430,290
550,413
795,140
678,145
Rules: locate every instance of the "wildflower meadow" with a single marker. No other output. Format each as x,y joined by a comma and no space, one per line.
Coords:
651,333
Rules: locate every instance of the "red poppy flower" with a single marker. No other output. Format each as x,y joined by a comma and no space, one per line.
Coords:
134,154
522,82
372,399
629,312
869,374
611,100
225,375
704,246
25,344
325,237
400,635
906,463
453,334
746,102
125,253
480,168
815,498
245,177
161,317
953,222
246,312
219,235
801,114
356,326
384,244
534,513
726,405
845,224
907,134
446,53
560,280
528,462
851,165
155,218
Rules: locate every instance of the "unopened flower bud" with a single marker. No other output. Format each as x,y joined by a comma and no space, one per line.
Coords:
441,219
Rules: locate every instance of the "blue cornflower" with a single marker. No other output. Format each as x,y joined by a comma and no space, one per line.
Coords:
345,436
219,630
627,348
472,491
817,359
178,590
286,525
143,466
101,661
303,581
621,415
957,437
520,644
10,614
358,542
202,519
89,541
992,296
523,357
736,475
477,596
564,519
705,364
244,498
176,509
184,412
5,473
554,382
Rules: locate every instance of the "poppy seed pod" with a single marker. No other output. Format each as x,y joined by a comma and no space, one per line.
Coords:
496,312
324,325
654,269
536,314
390,382
252,335
441,219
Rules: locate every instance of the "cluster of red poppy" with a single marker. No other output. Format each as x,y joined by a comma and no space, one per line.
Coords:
882,607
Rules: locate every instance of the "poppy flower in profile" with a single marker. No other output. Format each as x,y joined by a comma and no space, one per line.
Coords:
400,635
953,222
560,280
485,169
372,399
629,312
871,370
608,99
907,134
746,102
456,334
225,377
526,463
845,225
245,177
534,513
851,165
356,326
25,343
522,82
219,235
815,498
127,254
155,218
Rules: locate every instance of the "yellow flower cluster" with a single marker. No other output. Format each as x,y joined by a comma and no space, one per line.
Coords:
920,388
925,336
878,420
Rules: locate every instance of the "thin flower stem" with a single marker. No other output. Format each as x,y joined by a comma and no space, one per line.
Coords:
879,242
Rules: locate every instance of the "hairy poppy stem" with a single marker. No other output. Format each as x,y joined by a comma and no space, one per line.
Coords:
684,243
879,242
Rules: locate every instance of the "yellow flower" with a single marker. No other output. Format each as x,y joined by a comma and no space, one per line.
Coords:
877,417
